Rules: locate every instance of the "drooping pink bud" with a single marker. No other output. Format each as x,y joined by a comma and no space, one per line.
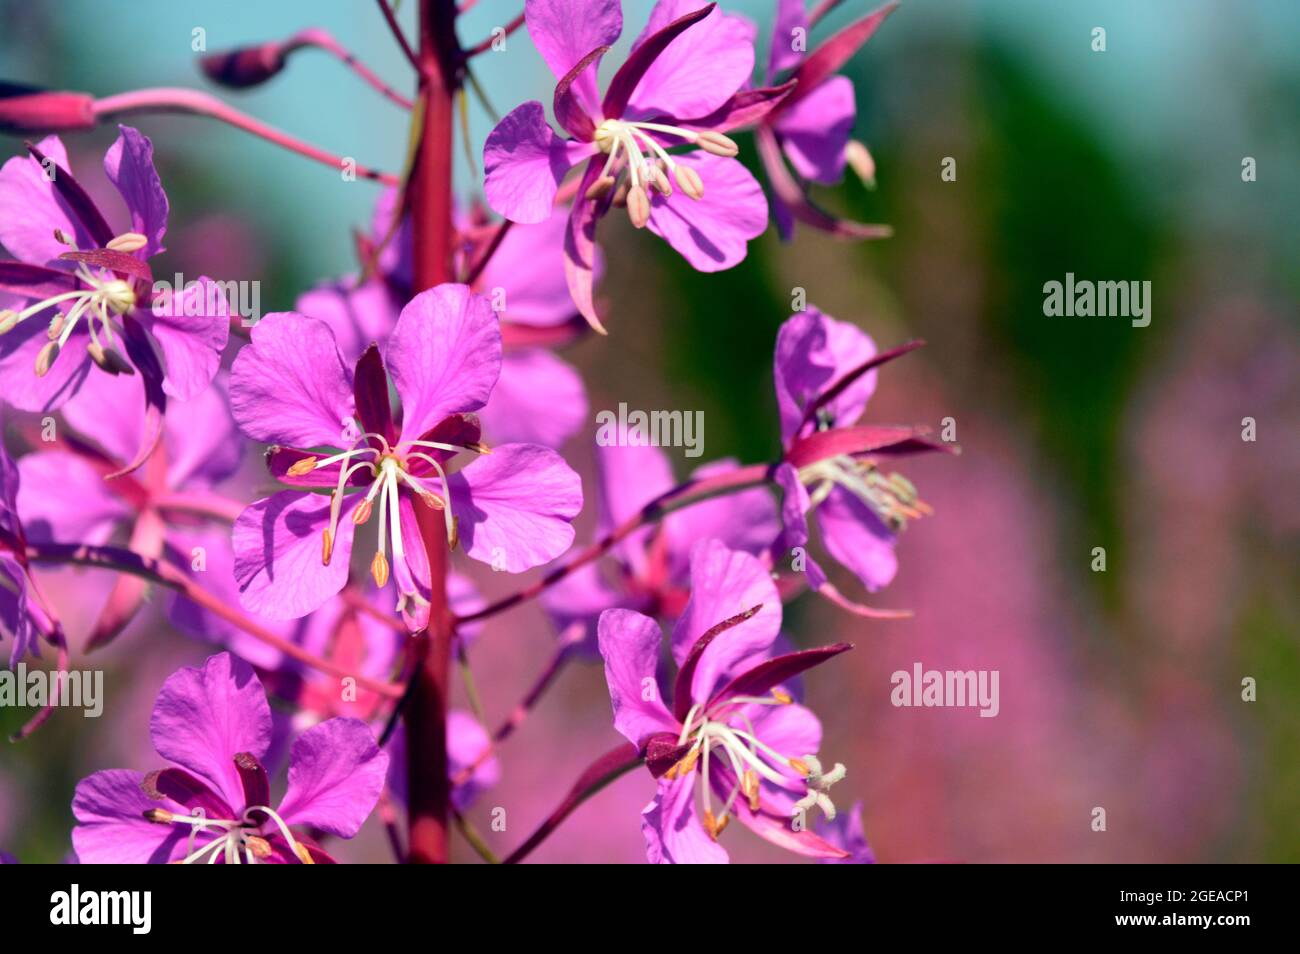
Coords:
244,67
26,110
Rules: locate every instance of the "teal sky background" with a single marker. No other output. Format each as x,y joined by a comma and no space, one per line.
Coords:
1171,72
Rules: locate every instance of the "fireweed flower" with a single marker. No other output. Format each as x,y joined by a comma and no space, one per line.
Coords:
65,498
335,430
858,505
539,398
15,620
212,803
681,86
81,293
652,566
734,739
809,130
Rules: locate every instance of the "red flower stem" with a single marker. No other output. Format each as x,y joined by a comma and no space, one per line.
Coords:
199,103
683,495
164,573
430,194
323,40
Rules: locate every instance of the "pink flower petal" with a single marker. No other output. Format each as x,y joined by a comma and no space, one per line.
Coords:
192,329
564,31
336,772
206,716
515,506
629,644
444,356
700,69
725,583
290,386
539,399
673,833
524,163
277,543
711,233
129,164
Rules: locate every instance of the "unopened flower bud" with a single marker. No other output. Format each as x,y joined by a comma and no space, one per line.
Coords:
249,66
689,181
25,110
717,144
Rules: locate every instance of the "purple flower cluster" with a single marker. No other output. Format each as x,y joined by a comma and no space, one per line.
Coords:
405,426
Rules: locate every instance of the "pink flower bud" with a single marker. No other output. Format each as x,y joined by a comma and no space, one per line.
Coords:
26,111
249,66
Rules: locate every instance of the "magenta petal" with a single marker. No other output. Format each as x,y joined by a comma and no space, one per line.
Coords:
673,833
129,164
524,163
62,498
725,583
791,16
581,257
290,386
205,717
31,208
357,316
813,351
856,537
117,434
526,268
443,356
629,643
632,475
565,31
815,130
539,399
711,233
19,385
515,506
336,772
699,69
203,446
192,329
277,543
111,829
745,520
